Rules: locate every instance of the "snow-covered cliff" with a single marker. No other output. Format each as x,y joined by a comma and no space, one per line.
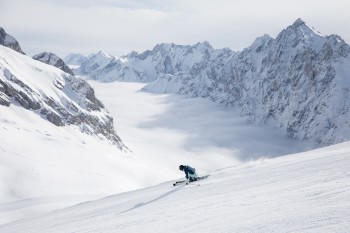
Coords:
53,95
299,81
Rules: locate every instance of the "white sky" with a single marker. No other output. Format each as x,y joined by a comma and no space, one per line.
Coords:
120,26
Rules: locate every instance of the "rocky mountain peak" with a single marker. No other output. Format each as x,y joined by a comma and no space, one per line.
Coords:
298,22
131,54
299,33
54,60
204,44
163,46
261,42
307,30
104,54
9,41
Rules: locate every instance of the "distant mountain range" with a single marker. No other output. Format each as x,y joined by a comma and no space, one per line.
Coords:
299,81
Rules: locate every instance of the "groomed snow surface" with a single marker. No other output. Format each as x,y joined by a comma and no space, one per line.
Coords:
306,192
250,189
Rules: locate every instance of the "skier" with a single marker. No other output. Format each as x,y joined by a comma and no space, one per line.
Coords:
190,172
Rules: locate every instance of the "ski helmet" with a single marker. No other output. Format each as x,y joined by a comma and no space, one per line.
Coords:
181,167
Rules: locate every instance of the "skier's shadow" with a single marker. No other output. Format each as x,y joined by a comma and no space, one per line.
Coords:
149,202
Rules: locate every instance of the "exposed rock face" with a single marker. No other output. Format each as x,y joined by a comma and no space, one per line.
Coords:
8,41
54,60
54,95
299,81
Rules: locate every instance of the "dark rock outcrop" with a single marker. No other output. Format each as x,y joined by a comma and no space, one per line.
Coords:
8,41
54,60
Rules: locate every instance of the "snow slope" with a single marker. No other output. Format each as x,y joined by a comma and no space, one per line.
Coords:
44,167
57,140
306,192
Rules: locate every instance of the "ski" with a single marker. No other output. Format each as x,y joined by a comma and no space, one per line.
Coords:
185,182
202,177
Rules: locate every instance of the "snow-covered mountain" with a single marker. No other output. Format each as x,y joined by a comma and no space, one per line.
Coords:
151,64
299,81
306,192
54,60
54,95
92,63
172,59
103,66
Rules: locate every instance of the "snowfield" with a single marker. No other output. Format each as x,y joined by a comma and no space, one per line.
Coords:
305,192
44,167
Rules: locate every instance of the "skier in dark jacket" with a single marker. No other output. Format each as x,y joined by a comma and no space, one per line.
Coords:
190,172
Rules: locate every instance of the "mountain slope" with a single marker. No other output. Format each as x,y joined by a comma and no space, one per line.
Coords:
54,95
57,140
306,192
44,167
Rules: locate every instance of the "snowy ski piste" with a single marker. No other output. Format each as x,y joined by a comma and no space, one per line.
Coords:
305,192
